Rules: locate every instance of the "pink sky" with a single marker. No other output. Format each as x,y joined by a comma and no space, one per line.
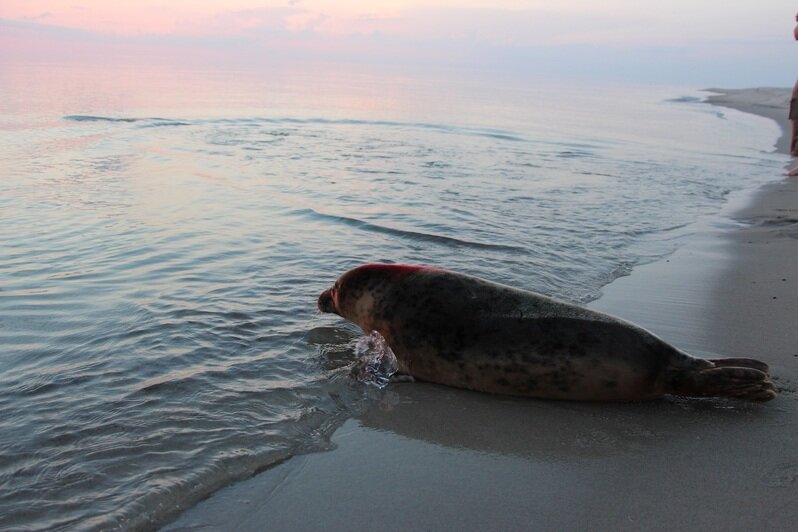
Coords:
672,22
415,30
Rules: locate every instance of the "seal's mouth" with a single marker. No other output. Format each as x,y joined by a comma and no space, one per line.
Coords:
326,302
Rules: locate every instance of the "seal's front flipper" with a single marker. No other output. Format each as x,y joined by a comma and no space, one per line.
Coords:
725,381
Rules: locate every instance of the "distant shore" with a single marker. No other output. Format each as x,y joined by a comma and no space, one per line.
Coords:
425,457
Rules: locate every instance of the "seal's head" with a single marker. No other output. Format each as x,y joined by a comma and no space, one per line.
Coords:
356,292
327,300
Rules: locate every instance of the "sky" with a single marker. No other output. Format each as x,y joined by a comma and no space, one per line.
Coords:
731,42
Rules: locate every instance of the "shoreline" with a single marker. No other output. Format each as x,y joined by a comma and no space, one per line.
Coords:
765,254
429,457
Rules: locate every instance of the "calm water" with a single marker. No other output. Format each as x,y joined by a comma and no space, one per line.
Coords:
165,235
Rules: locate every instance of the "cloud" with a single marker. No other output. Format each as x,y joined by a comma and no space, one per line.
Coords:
531,41
37,18
247,21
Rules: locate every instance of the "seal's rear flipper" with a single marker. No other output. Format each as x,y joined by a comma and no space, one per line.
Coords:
725,381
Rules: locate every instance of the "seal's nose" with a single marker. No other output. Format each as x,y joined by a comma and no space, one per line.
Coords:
326,303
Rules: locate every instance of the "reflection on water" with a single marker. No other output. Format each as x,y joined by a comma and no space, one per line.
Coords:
485,462
542,431
165,236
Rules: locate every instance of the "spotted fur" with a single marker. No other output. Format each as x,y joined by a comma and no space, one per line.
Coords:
467,332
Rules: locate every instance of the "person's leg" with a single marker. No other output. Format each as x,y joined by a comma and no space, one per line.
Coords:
794,120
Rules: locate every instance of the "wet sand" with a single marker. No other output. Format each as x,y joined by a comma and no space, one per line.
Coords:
426,457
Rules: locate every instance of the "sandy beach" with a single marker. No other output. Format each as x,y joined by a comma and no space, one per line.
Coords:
426,457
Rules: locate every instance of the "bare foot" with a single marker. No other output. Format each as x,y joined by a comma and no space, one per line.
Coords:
793,172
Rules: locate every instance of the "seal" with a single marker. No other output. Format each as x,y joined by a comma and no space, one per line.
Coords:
463,331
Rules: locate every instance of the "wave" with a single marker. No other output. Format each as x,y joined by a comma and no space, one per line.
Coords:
685,99
163,122
145,122
406,234
90,118
445,128
497,134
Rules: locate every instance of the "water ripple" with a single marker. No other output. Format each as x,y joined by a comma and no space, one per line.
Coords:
411,235
158,277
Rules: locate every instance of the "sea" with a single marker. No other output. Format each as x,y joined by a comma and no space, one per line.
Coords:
165,233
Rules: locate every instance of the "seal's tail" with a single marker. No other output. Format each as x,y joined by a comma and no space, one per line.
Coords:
744,378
